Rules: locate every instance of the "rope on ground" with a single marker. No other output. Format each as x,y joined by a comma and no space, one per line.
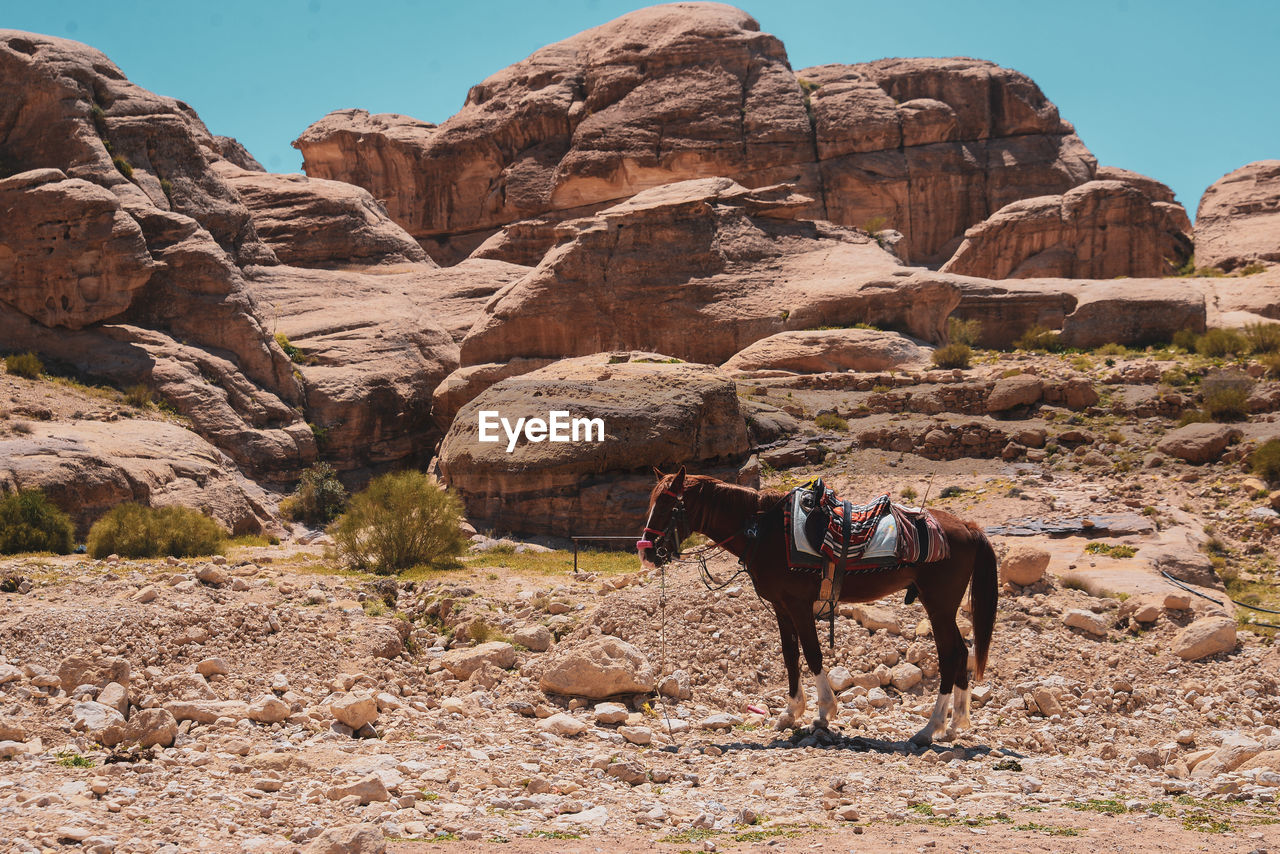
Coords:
1178,583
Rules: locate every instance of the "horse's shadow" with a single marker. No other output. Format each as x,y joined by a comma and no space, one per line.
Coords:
838,741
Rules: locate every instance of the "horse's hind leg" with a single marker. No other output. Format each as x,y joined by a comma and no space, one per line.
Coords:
960,693
791,658
951,647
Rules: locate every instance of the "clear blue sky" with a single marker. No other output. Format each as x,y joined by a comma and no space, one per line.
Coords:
1182,91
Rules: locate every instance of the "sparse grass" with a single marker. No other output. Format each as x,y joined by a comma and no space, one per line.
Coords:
831,421
139,396
1263,337
1110,806
554,834
966,332
1265,460
70,759
24,365
1226,395
908,493
123,166
1112,350
132,530
1039,339
1175,377
1110,550
953,356
1219,343
1049,829
555,562
1251,269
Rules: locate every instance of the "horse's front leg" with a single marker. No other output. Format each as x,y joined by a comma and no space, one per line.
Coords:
808,630
791,658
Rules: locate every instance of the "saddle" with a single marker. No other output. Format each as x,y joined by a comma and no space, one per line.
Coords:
824,530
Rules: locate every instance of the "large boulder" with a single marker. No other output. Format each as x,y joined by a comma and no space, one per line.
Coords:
600,668
463,385
310,222
690,90
820,351
1238,221
1199,443
1205,637
700,270
656,411
88,467
69,254
1098,230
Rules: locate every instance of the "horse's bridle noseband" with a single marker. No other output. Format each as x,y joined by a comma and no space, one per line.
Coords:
666,545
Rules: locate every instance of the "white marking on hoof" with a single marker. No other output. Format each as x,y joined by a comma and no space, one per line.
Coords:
795,711
959,712
827,708
936,720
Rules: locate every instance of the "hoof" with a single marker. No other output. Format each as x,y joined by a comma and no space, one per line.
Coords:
922,739
786,721
821,724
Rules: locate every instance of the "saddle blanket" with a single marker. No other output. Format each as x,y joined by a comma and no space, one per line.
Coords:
821,527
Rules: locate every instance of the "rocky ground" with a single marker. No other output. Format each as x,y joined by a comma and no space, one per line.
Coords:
275,704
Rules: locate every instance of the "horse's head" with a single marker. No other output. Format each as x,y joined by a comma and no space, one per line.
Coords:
668,522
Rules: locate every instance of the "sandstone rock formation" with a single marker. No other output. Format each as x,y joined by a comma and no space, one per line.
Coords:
1238,221
656,412
699,270
818,351
310,222
71,109
88,467
1098,230
692,90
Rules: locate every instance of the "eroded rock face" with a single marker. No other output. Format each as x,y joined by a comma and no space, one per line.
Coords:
819,351
88,467
69,255
1099,230
655,413
699,270
1238,221
693,90
310,222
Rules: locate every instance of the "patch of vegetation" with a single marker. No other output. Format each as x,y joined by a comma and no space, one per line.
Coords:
1110,806
966,332
1190,269
1219,343
319,498
1175,377
321,435
921,809
24,365
831,421
166,187
1112,350
30,522
70,759
876,224
1040,339
1225,395
1111,550
1252,269
1007,765
1193,416
123,166
401,520
139,396
1265,460
1263,337
132,530
554,834
1205,822
953,356
908,493
555,562
295,355
651,361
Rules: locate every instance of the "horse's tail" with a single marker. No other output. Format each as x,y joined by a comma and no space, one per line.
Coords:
983,592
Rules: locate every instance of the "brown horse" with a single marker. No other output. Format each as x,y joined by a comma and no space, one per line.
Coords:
748,524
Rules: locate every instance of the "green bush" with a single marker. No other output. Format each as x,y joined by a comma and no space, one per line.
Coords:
24,365
398,522
139,395
319,498
831,421
1185,339
131,530
1039,338
1251,269
123,166
1271,362
1263,337
30,522
1222,342
1112,350
1265,460
1175,377
290,349
952,356
964,331
1226,395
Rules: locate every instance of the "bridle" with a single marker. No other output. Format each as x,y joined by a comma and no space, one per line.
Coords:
666,545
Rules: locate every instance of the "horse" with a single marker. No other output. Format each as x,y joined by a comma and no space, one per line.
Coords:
737,518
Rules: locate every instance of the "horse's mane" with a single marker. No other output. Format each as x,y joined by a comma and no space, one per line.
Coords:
728,493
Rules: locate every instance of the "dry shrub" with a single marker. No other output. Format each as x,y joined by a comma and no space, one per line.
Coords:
131,530
398,522
30,522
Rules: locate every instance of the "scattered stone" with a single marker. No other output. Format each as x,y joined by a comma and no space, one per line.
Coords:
611,713
463,662
1206,636
146,728
1236,749
207,711
116,696
1086,621
563,724
840,678
536,638
636,734
79,670
722,720
905,676
602,667
368,789
1023,564
677,686
93,717
214,576
212,667
1199,443
349,839
270,709
355,710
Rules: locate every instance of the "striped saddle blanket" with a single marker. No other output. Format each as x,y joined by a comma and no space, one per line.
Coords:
822,527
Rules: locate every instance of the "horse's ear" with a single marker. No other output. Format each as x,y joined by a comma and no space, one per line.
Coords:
677,485
658,473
